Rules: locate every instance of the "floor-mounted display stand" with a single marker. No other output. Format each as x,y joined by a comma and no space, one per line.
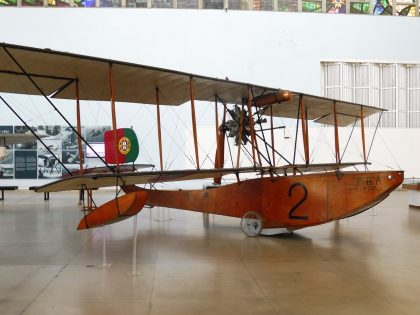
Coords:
104,262
163,214
134,271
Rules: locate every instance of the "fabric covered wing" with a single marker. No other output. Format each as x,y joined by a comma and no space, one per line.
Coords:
321,110
93,181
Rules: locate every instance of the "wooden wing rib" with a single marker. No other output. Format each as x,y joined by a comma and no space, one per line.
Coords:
321,110
93,181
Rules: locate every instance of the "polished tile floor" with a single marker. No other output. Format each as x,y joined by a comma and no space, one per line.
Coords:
368,264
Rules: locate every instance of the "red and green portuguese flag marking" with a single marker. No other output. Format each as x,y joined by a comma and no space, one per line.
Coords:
127,146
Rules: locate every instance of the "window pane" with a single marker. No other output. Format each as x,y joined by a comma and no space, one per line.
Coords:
110,3
213,4
333,93
34,3
336,6
161,3
136,3
8,2
238,4
388,119
263,5
188,4
388,76
382,7
414,100
311,6
359,8
406,10
414,76
58,3
287,5
85,3
362,96
415,120
332,74
361,75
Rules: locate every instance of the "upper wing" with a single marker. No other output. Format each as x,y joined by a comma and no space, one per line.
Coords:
92,181
54,72
321,109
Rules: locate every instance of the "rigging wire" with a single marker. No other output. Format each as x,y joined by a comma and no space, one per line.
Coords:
52,104
348,140
33,132
374,134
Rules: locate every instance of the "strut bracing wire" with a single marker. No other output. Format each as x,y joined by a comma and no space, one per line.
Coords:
55,108
36,136
296,135
348,140
376,129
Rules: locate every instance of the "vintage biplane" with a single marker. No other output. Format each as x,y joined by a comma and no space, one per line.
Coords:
288,196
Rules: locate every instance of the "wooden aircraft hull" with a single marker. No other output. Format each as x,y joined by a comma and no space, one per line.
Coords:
291,202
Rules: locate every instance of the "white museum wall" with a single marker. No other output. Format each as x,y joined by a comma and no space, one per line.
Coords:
281,50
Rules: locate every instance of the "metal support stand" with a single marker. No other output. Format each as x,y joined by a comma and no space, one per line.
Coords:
206,220
166,215
134,272
104,262
373,212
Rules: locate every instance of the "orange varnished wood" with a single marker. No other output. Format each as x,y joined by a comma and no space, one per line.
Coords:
329,196
115,210
251,126
220,150
241,126
362,128
229,200
194,123
272,98
159,129
336,138
114,115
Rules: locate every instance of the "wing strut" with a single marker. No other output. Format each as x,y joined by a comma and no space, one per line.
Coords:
251,126
337,140
272,135
220,141
304,120
362,125
79,127
114,117
194,123
241,127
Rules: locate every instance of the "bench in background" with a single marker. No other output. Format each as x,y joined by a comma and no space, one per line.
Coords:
3,188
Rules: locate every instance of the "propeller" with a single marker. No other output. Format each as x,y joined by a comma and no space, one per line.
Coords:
233,126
